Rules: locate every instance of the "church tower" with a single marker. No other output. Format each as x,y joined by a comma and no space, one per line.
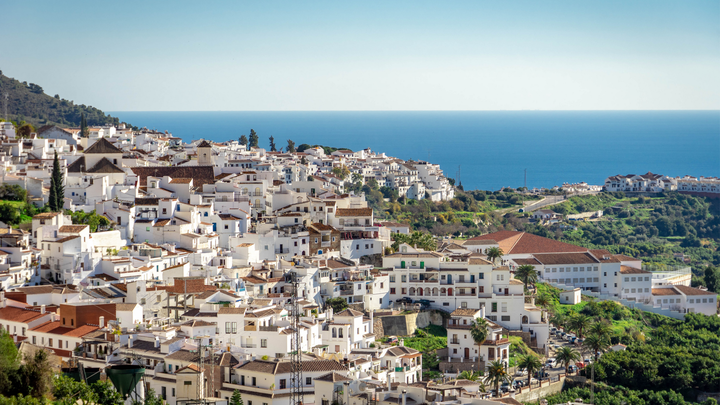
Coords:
204,152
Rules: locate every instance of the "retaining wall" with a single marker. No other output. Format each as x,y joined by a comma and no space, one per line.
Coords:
531,395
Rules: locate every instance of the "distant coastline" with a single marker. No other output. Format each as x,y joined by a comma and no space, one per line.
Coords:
491,148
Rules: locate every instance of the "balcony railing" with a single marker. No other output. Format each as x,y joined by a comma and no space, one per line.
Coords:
282,251
454,342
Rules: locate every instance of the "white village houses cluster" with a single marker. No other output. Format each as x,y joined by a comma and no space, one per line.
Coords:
201,238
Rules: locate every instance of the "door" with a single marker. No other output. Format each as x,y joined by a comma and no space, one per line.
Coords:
467,352
214,227
449,278
506,291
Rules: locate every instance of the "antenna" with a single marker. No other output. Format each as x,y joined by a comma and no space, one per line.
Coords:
296,380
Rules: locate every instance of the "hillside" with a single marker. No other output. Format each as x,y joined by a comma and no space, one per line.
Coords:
27,102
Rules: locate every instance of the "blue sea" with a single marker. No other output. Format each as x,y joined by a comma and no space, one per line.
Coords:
490,149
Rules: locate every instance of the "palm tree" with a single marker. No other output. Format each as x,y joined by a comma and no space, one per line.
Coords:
579,323
469,375
527,274
531,363
494,253
542,300
479,332
559,320
567,355
596,344
601,328
497,374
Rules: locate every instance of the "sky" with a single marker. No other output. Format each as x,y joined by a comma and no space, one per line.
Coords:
367,55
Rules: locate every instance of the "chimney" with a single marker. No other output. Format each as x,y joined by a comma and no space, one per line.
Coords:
130,341
101,322
15,337
404,397
371,321
157,342
402,342
3,303
42,309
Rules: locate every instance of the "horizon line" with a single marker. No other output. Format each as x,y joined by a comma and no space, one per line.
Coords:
506,110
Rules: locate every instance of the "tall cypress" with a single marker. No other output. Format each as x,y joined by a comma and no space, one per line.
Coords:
84,132
57,189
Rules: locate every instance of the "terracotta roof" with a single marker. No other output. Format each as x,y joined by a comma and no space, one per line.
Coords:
532,261
632,270
604,256
105,166
321,227
57,329
465,312
333,377
46,215
353,212
231,311
565,258
204,144
664,291
19,315
692,291
201,175
625,258
349,312
181,180
418,255
72,228
78,166
478,261
102,146
515,242
285,367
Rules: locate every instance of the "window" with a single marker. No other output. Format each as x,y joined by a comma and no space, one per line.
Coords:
283,383
263,342
505,318
308,380
494,307
403,277
230,327
392,291
173,392
404,291
481,276
254,381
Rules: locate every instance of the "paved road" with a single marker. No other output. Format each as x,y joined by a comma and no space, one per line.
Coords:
549,200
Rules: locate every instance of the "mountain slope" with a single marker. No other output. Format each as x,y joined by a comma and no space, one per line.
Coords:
27,102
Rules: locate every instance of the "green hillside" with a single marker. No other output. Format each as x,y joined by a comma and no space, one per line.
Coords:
27,102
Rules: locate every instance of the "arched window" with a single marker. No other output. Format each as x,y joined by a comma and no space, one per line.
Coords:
257,191
412,290
244,191
435,291
340,332
334,333
206,213
427,291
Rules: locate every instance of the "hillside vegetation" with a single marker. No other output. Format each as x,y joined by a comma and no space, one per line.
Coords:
27,102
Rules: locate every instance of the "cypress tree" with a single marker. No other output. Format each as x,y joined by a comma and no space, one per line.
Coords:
272,144
57,190
84,132
254,138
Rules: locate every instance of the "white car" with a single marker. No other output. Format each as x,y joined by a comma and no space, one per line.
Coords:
521,372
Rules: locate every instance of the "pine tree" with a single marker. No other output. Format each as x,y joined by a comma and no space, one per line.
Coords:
57,190
243,141
254,139
291,146
236,398
84,131
272,144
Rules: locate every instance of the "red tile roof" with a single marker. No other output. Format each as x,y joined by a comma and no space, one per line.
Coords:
515,242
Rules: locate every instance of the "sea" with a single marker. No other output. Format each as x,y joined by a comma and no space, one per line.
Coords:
485,150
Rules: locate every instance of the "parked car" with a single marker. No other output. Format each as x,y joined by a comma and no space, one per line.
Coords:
424,303
404,300
392,339
550,362
579,341
520,372
587,361
572,368
520,382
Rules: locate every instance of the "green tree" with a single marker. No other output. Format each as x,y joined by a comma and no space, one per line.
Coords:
470,376
106,393
37,373
712,278
578,323
236,398
272,144
151,398
57,189
527,274
542,300
531,363
9,360
243,141
67,391
422,240
567,355
291,146
338,304
496,375
341,172
479,331
596,344
84,131
494,253
254,139
601,328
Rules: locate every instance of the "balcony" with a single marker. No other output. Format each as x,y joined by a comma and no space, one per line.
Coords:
282,251
455,342
248,345
496,342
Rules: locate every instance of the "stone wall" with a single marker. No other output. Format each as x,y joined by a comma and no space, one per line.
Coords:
532,395
374,259
456,366
405,325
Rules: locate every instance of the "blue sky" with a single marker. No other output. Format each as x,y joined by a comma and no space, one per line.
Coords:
330,55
